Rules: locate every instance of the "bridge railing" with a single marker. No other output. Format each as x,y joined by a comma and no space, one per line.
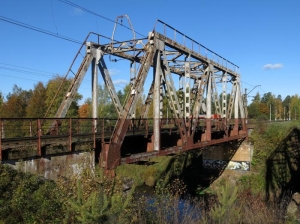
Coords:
29,127
183,39
21,134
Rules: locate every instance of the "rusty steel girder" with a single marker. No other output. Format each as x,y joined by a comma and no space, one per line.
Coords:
195,107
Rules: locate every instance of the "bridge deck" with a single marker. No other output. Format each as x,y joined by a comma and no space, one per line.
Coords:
135,147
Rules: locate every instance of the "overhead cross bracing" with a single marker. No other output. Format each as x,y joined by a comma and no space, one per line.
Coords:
201,114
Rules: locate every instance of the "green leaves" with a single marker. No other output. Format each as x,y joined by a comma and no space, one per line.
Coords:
56,89
227,196
27,198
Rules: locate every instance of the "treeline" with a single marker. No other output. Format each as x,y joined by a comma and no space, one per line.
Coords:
44,101
35,102
268,106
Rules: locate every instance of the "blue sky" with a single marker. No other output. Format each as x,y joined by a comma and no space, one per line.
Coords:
261,37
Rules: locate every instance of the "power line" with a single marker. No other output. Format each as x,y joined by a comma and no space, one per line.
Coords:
27,26
33,73
25,72
53,17
248,83
17,77
27,68
96,14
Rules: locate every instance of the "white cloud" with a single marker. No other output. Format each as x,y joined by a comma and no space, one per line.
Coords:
113,71
273,66
120,82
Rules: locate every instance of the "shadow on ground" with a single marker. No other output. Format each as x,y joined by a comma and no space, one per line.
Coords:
283,173
189,167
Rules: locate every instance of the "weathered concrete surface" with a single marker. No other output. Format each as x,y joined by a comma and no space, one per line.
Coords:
239,154
229,151
244,152
53,166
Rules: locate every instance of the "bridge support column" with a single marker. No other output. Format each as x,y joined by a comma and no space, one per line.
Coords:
235,130
94,93
156,101
208,107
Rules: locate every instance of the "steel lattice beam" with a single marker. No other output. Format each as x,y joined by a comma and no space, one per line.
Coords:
199,91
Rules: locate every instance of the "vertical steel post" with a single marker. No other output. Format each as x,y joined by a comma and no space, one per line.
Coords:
39,151
187,89
224,95
78,131
30,128
224,100
156,101
94,132
236,111
70,134
2,129
243,109
102,134
94,93
208,105
246,105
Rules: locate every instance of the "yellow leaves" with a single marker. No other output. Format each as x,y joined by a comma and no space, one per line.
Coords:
84,111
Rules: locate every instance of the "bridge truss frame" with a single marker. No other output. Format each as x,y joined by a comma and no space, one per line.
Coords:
196,95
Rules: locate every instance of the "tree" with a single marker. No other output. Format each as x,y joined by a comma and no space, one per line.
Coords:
106,108
15,107
1,103
84,110
26,198
278,108
267,98
286,103
17,101
295,106
36,107
254,107
55,96
263,109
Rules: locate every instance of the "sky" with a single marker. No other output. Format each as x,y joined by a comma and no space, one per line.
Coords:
261,37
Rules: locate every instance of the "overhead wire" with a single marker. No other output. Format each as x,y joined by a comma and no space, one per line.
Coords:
27,26
96,14
53,17
248,84
40,73
18,77
26,68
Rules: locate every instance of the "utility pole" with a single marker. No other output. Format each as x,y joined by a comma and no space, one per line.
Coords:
284,113
246,106
246,101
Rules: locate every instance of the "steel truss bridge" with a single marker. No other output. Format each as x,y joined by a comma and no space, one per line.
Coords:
206,104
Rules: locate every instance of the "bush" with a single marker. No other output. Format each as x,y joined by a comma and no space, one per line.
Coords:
26,198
